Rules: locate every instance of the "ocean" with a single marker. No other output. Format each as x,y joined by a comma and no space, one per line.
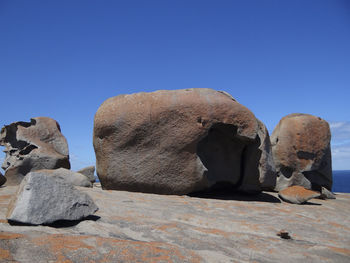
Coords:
341,181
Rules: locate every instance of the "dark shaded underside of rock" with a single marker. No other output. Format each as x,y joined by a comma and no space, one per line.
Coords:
178,142
43,199
30,146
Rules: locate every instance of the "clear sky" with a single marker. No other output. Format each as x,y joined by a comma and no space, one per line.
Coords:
62,59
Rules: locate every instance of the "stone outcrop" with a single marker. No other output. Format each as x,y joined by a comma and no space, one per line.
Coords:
66,175
35,145
297,194
137,227
43,199
178,142
89,172
301,152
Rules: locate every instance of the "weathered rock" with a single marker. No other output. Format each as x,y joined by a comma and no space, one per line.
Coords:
89,172
138,227
301,151
267,168
31,146
68,176
43,199
326,194
2,179
178,142
297,194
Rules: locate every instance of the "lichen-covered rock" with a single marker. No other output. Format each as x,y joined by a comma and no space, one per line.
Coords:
68,176
43,199
301,151
30,146
177,142
297,194
89,172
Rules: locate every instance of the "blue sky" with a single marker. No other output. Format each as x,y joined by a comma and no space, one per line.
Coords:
62,59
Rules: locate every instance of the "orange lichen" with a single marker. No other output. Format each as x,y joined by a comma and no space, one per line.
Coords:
9,235
297,190
344,251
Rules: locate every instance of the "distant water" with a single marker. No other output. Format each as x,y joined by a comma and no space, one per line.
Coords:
341,181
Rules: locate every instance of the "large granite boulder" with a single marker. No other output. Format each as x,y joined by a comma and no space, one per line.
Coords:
301,151
35,145
178,142
43,199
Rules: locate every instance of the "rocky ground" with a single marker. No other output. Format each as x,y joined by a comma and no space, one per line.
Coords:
136,227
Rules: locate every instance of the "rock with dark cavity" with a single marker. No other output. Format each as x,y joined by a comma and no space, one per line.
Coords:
297,194
68,176
301,151
30,146
89,172
177,142
2,179
43,199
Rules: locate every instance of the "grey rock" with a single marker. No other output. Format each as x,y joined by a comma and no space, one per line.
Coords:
69,176
267,168
43,199
89,172
30,146
326,194
179,142
301,152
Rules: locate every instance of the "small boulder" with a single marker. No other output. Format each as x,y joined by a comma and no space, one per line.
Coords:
69,176
297,194
43,199
301,152
89,172
30,146
326,194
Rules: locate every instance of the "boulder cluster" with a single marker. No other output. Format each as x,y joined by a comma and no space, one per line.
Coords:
166,142
185,141
37,159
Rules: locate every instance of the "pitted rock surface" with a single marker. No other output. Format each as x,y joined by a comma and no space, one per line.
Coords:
30,146
137,227
43,199
178,142
301,151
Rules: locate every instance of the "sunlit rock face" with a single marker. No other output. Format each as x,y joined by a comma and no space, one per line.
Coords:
30,146
301,151
179,142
